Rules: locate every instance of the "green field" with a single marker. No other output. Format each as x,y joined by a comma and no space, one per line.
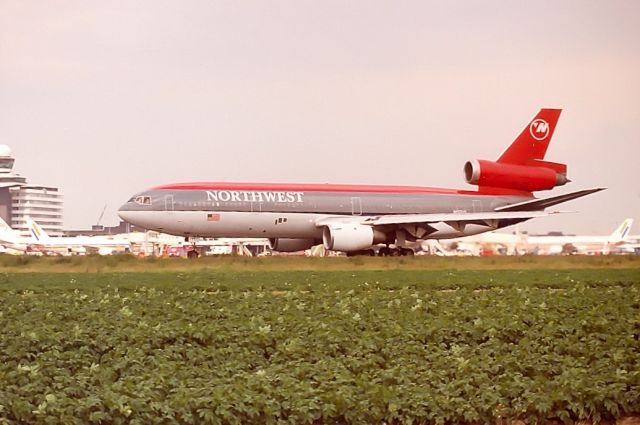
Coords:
128,263
295,340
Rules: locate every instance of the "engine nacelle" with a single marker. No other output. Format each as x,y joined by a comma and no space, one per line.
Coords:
529,178
291,245
350,237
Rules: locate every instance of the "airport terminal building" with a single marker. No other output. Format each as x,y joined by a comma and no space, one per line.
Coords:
20,200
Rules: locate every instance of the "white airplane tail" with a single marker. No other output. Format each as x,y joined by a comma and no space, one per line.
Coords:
620,234
37,232
6,232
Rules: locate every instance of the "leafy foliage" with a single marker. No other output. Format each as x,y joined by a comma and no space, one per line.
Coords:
321,347
129,263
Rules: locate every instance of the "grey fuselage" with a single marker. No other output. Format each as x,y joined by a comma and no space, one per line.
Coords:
291,212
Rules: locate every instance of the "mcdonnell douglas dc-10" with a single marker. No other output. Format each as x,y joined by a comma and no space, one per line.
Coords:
355,218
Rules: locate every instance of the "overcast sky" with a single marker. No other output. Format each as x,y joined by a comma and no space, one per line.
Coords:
107,98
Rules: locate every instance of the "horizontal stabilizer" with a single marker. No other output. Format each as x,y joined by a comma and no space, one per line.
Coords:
540,204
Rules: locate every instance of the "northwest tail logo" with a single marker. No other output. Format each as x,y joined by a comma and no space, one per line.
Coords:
539,129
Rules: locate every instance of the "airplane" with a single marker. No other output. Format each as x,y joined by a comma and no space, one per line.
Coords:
631,245
520,243
354,218
549,244
10,240
509,243
40,240
100,244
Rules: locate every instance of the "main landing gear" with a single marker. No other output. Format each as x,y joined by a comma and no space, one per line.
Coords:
385,251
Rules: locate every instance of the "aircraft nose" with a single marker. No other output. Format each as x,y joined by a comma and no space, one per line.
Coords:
124,214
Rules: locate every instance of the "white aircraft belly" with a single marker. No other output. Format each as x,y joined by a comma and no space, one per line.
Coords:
228,224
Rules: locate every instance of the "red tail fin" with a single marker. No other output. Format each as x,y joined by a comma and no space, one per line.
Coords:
534,140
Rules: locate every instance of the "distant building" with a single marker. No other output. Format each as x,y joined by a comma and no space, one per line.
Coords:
8,179
42,204
20,201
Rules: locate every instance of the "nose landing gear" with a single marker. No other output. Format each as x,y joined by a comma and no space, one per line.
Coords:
193,252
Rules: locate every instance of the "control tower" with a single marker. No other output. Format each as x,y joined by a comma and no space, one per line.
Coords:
20,201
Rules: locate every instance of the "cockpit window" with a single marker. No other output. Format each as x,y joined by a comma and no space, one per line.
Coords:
141,200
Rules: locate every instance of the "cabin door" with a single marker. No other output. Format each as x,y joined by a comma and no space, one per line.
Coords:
356,206
168,203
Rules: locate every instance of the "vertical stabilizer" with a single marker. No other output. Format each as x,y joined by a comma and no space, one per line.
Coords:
6,232
621,232
531,145
36,231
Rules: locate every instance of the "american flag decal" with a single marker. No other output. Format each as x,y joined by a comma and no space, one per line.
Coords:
213,217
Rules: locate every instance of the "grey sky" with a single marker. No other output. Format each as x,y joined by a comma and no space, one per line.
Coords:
108,98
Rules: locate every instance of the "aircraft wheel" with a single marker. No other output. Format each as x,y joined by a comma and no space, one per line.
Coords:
396,252
192,254
384,251
407,252
365,252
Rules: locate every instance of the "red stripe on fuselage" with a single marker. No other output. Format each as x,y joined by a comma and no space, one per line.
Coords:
307,187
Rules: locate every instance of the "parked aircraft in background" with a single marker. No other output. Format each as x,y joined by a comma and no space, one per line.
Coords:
10,240
546,244
41,241
490,242
103,245
353,218
631,245
521,243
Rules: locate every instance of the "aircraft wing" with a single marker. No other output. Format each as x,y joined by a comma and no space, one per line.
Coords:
539,204
435,226
484,218
72,243
513,213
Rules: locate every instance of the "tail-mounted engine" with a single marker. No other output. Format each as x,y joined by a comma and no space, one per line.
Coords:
532,176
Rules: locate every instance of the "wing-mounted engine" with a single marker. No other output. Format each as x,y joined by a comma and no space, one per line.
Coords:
291,245
532,176
351,237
